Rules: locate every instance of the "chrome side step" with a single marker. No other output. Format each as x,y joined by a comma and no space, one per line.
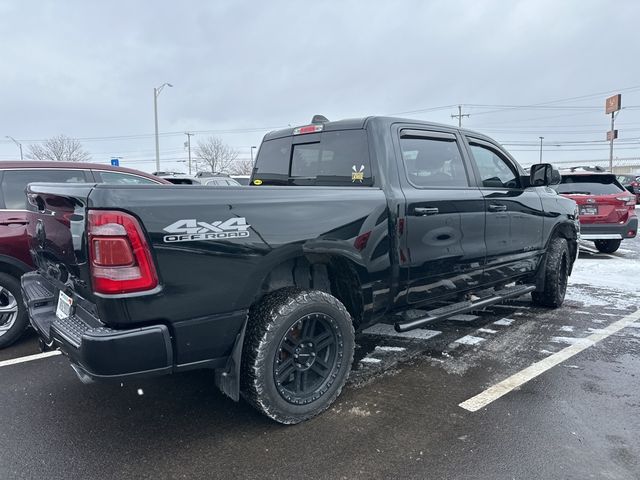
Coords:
463,307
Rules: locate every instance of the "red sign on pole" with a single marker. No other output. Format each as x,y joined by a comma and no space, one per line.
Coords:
613,104
612,135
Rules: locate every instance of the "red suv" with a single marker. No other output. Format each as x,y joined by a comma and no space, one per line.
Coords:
607,210
14,253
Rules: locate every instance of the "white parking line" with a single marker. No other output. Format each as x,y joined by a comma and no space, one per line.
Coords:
30,358
502,388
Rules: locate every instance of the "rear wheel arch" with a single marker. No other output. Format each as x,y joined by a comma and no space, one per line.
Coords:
335,275
13,266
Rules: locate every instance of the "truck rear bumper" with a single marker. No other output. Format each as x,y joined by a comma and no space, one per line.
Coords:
97,352
609,231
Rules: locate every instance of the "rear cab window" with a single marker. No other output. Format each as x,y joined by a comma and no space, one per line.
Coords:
331,158
589,185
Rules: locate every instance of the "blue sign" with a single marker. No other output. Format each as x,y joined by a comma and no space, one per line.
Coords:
115,162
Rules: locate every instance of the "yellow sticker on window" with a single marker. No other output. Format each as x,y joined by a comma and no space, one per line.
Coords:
257,181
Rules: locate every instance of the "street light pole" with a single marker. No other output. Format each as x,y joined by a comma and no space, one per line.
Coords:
541,138
189,135
18,144
156,94
252,148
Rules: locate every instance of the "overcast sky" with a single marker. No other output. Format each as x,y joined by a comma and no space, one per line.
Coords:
239,69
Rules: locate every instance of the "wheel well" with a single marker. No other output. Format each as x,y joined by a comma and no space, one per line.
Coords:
333,275
12,270
567,232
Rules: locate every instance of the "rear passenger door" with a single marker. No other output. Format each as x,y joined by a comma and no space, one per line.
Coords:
444,240
514,214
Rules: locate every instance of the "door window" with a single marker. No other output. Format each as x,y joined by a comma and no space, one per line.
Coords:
14,183
433,162
495,170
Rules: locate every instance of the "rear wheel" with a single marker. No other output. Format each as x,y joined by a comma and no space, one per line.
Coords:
297,354
607,246
556,275
13,315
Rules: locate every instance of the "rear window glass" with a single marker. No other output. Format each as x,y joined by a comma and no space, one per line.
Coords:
339,158
589,185
14,183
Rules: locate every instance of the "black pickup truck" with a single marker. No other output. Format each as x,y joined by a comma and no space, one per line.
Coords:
345,223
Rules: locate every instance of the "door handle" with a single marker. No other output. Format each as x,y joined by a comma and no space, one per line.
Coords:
423,211
497,207
14,222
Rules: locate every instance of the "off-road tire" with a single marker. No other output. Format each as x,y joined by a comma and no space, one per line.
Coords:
21,321
556,271
607,246
271,322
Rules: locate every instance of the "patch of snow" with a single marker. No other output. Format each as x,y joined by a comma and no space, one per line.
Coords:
570,340
359,412
487,330
566,328
385,348
597,330
613,273
505,322
386,330
470,340
370,360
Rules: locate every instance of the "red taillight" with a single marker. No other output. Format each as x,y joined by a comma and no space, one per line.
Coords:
119,255
627,200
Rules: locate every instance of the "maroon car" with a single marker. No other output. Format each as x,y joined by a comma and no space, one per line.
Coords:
14,254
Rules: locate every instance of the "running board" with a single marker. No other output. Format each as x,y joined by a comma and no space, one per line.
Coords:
463,307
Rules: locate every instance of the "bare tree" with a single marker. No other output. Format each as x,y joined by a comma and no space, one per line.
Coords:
241,167
59,149
214,155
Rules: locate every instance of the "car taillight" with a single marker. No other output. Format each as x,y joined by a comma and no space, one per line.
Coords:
119,256
627,200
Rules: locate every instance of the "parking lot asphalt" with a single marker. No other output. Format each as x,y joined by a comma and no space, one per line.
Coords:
568,403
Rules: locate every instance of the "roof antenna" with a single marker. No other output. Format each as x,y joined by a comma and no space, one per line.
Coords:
319,119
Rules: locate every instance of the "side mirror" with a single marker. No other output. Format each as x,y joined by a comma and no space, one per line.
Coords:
543,174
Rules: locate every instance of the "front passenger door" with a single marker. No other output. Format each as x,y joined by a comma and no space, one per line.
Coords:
514,214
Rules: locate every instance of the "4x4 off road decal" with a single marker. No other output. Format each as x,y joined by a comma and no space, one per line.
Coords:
192,230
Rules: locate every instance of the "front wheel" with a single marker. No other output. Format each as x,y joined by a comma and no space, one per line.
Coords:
556,271
297,354
607,246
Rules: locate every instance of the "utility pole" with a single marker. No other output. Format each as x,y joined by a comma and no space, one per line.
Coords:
18,144
189,135
460,115
156,94
252,149
541,138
